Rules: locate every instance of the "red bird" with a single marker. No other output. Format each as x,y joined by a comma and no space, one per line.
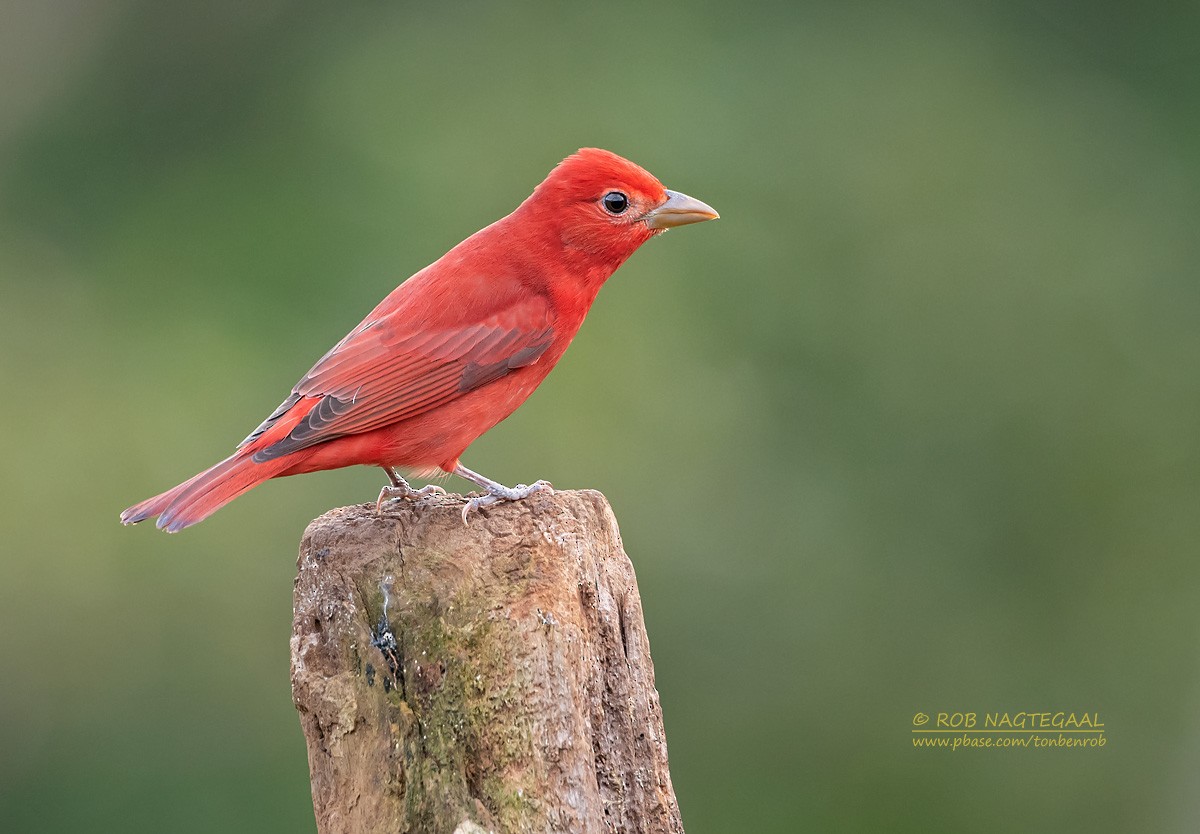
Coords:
454,349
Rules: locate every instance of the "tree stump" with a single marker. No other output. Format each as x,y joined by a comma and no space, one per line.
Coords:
487,677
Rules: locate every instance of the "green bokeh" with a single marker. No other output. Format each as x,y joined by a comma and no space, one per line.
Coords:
913,427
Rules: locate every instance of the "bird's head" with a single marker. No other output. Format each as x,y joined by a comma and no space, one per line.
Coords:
607,206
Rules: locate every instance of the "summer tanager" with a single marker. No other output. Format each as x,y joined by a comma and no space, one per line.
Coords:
454,349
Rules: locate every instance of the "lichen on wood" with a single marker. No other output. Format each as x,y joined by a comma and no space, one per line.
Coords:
493,676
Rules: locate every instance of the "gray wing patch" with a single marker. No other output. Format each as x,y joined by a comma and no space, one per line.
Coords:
283,409
329,409
476,375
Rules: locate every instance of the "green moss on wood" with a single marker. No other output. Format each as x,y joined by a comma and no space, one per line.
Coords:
450,705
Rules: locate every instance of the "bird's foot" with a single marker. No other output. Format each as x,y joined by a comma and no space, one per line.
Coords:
498,492
404,492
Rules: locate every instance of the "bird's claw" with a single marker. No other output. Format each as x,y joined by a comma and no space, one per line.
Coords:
405,493
503,493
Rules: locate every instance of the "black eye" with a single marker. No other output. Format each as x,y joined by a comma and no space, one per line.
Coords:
616,202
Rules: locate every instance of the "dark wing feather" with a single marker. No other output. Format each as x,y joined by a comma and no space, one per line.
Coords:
378,375
284,408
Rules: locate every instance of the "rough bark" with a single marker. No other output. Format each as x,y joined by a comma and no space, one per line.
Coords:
487,677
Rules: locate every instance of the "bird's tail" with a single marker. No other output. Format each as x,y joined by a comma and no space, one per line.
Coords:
202,495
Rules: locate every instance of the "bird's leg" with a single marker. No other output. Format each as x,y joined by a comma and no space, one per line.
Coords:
495,492
400,489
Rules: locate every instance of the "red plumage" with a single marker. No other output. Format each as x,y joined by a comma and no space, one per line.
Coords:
457,347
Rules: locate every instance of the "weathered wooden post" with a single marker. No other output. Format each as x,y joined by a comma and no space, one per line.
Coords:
488,677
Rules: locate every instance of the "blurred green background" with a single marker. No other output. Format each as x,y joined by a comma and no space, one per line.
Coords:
913,427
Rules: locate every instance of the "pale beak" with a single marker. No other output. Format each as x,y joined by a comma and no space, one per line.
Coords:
679,210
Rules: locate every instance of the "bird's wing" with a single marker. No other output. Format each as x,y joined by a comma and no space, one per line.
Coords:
387,370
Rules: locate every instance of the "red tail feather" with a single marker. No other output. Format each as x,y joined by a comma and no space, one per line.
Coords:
202,495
